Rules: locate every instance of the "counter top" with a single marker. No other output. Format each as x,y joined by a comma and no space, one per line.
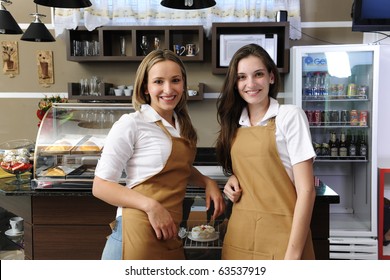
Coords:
324,192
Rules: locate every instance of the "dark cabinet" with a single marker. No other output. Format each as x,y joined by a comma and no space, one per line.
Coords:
131,43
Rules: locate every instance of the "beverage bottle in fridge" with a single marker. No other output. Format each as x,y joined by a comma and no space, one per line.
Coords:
343,150
317,84
321,89
334,149
352,147
327,86
307,86
363,149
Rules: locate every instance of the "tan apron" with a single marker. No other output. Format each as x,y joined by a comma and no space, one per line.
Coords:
260,224
168,187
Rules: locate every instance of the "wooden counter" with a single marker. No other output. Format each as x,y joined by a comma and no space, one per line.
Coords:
69,224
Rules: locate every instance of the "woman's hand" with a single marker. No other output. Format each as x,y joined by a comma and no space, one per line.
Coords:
232,189
118,195
161,221
214,194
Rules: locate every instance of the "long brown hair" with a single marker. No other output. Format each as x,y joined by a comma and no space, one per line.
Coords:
140,84
230,104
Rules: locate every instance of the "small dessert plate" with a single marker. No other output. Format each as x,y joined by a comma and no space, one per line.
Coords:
12,232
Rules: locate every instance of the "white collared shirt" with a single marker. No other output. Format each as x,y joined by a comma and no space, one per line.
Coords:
293,138
136,145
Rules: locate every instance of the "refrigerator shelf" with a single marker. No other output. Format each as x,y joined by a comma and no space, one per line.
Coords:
321,125
333,98
340,159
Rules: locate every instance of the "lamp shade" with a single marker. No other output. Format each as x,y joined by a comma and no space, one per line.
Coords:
71,4
188,4
37,32
8,25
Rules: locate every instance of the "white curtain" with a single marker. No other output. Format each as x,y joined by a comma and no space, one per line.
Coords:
150,12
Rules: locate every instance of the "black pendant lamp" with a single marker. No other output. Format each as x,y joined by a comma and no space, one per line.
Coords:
8,24
69,4
188,4
37,31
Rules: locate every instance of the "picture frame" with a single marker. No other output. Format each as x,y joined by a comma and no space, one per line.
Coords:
229,44
45,67
10,55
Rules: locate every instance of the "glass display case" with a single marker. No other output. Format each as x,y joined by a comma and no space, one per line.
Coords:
69,143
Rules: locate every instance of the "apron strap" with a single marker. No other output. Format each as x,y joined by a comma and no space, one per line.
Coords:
159,123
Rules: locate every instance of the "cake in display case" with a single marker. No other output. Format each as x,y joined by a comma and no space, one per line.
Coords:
69,143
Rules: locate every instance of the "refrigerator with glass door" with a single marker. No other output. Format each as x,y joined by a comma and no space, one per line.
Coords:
345,92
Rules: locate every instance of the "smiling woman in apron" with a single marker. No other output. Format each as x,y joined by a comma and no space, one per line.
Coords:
268,150
156,147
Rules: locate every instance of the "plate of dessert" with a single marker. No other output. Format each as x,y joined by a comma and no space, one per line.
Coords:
203,233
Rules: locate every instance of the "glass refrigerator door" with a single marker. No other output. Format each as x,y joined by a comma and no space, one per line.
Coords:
337,98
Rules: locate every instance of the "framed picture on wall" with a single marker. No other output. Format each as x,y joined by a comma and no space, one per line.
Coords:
10,57
45,67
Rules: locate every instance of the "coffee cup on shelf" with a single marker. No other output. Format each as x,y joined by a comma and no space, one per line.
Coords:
118,91
127,92
192,92
179,49
16,224
191,50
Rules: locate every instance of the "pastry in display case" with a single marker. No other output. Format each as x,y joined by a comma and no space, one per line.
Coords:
69,142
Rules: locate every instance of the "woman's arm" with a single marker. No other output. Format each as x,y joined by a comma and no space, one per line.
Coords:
232,189
212,191
118,195
304,184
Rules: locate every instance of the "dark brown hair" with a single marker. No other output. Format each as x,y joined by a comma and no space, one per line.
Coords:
230,104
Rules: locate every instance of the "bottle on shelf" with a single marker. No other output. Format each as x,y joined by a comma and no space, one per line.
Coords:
351,90
334,149
307,85
326,83
325,150
343,149
317,84
352,147
363,148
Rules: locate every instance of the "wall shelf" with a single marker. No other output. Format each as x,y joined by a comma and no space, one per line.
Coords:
103,43
281,29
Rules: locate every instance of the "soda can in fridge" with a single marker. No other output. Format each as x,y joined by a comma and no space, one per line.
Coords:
363,118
